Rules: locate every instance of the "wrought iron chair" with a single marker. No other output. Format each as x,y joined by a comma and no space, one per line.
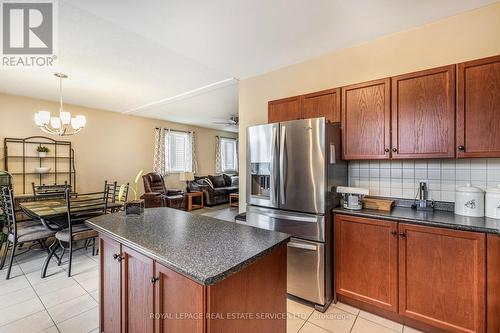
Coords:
43,192
112,193
18,233
79,209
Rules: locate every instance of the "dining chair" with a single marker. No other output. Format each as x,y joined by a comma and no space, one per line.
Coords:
113,194
19,232
79,208
42,192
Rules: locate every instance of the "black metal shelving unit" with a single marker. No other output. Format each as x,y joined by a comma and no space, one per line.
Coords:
23,156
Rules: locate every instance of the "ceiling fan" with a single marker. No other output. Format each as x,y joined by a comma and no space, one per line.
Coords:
232,121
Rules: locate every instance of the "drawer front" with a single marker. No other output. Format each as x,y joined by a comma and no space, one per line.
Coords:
306,270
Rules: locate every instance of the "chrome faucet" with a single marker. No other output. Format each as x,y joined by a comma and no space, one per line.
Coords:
423,204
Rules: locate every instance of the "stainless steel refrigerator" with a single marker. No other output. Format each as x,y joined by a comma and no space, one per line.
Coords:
293,169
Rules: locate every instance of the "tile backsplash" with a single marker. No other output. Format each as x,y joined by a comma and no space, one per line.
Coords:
400,179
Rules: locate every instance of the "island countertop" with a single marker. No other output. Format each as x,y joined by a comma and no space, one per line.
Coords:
203,248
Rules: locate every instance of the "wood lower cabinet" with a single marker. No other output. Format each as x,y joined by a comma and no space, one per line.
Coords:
366,260
322,104
137,292
442,277
478,108
139,295
423,114
109,285
259,295
284,109
366,120
493,284
190,299
435,279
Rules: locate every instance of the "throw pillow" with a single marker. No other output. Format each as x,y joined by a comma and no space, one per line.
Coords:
208,182
200,180
227,179
217,181
235,180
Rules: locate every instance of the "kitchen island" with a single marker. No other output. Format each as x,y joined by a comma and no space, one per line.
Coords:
172,271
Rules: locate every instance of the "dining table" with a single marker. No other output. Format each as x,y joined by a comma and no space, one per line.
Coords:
52,213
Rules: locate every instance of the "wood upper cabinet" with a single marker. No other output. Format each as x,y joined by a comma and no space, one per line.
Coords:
423,114
322,104
319,104
176,296
366,260
478,108
137,292
284,109
442,277
366,120
110,286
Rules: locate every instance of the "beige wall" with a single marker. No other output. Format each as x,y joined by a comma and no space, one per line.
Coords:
113,146
471,35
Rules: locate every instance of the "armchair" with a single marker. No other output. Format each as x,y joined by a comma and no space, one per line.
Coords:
157,195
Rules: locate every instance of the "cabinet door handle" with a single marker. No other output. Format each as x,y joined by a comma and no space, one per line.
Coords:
117,257
394,233
387,150
461,148
154,279
402,234
395,150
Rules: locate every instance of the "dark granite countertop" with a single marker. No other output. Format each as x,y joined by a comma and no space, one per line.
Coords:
436,218
202,248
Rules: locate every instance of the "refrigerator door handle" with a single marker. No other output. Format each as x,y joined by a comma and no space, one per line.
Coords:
282,164
303,246
274,165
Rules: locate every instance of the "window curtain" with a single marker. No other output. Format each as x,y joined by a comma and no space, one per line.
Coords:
160,152
192,146
218,158
237,155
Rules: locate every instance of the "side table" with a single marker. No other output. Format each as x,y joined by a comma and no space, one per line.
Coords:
233,199
190,205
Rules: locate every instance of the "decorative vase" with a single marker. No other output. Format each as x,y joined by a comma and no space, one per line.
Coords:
42,154
134,207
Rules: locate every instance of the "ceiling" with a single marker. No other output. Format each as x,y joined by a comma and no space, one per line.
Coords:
181,60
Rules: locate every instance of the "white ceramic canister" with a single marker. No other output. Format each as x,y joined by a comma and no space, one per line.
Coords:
469,201
493,202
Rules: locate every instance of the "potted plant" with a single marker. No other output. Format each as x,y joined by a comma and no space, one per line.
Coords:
42,151
136,206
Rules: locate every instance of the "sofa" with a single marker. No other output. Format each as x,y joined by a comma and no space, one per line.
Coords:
216,189
157,195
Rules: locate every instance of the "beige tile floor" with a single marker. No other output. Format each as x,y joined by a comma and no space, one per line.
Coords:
61,304
222,212
339,318
54,304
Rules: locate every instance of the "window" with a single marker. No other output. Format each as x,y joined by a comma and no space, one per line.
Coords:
229,155
179,154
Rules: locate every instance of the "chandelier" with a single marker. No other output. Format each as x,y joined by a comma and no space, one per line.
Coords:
60,125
